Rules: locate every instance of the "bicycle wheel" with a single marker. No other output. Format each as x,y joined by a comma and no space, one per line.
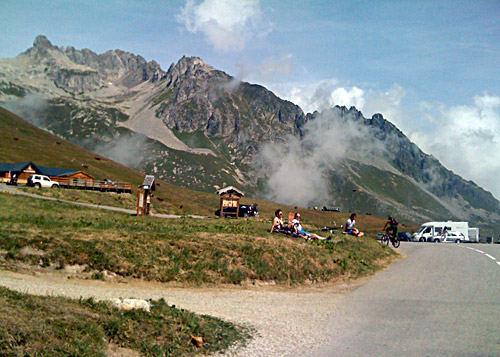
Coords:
396,242
386,239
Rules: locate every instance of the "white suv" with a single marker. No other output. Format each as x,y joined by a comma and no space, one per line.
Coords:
455,237
41,181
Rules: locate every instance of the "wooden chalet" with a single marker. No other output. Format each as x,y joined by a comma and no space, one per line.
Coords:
67,178
24,170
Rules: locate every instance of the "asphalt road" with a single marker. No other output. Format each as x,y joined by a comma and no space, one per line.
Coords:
442,300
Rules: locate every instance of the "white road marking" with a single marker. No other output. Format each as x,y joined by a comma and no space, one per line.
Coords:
489,256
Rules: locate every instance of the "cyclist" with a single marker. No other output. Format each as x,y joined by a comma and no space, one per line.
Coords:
392,225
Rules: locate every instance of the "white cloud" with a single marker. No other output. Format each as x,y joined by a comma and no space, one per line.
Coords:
466,139
309,96
348,98
327,93
227,24
273,66
327,139
30,107
388,103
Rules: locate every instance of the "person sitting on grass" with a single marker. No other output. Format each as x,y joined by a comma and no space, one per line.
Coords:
278,225
296,227
349,226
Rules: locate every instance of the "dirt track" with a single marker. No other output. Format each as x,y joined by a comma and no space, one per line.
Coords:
288,322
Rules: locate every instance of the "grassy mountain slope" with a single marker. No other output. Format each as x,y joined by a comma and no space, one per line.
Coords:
46,149
383,172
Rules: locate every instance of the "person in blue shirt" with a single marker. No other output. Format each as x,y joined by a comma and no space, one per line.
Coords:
296,227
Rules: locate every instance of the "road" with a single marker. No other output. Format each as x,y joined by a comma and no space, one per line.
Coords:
442,300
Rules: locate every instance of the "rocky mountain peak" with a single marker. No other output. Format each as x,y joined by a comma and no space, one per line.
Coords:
192,67
190,63
79,71
187,65
42,42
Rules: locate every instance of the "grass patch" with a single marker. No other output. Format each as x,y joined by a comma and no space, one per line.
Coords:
121,200
165,95
195,139
185,251
47,326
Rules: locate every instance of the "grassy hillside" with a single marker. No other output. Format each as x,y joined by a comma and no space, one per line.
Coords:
46,149
56,326
44,235
381,192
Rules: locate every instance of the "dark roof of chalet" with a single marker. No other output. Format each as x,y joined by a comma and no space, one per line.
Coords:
230,190
43,170
6,167
56,171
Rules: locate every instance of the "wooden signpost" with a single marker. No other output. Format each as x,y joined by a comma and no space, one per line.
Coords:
144,196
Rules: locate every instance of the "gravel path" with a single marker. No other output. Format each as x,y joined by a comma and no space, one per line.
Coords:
14,190
288,322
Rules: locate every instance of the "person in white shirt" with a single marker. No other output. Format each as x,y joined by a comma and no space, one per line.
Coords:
349,226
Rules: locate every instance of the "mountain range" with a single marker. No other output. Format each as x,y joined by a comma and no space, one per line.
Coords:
198,127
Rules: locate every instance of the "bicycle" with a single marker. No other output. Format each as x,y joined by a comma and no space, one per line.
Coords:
388,237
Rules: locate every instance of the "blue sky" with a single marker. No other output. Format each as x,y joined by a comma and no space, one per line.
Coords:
430,67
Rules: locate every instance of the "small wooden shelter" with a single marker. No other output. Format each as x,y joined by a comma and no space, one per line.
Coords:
145,194
230,201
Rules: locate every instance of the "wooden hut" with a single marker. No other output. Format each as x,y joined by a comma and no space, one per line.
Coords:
230,201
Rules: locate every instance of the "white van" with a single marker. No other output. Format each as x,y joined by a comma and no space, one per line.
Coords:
474,235
430,231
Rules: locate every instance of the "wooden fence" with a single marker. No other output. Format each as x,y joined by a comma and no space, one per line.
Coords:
92,185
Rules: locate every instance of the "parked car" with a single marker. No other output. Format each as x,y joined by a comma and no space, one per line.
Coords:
404,236
333,209
41,181
450,237
245,211
379,236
